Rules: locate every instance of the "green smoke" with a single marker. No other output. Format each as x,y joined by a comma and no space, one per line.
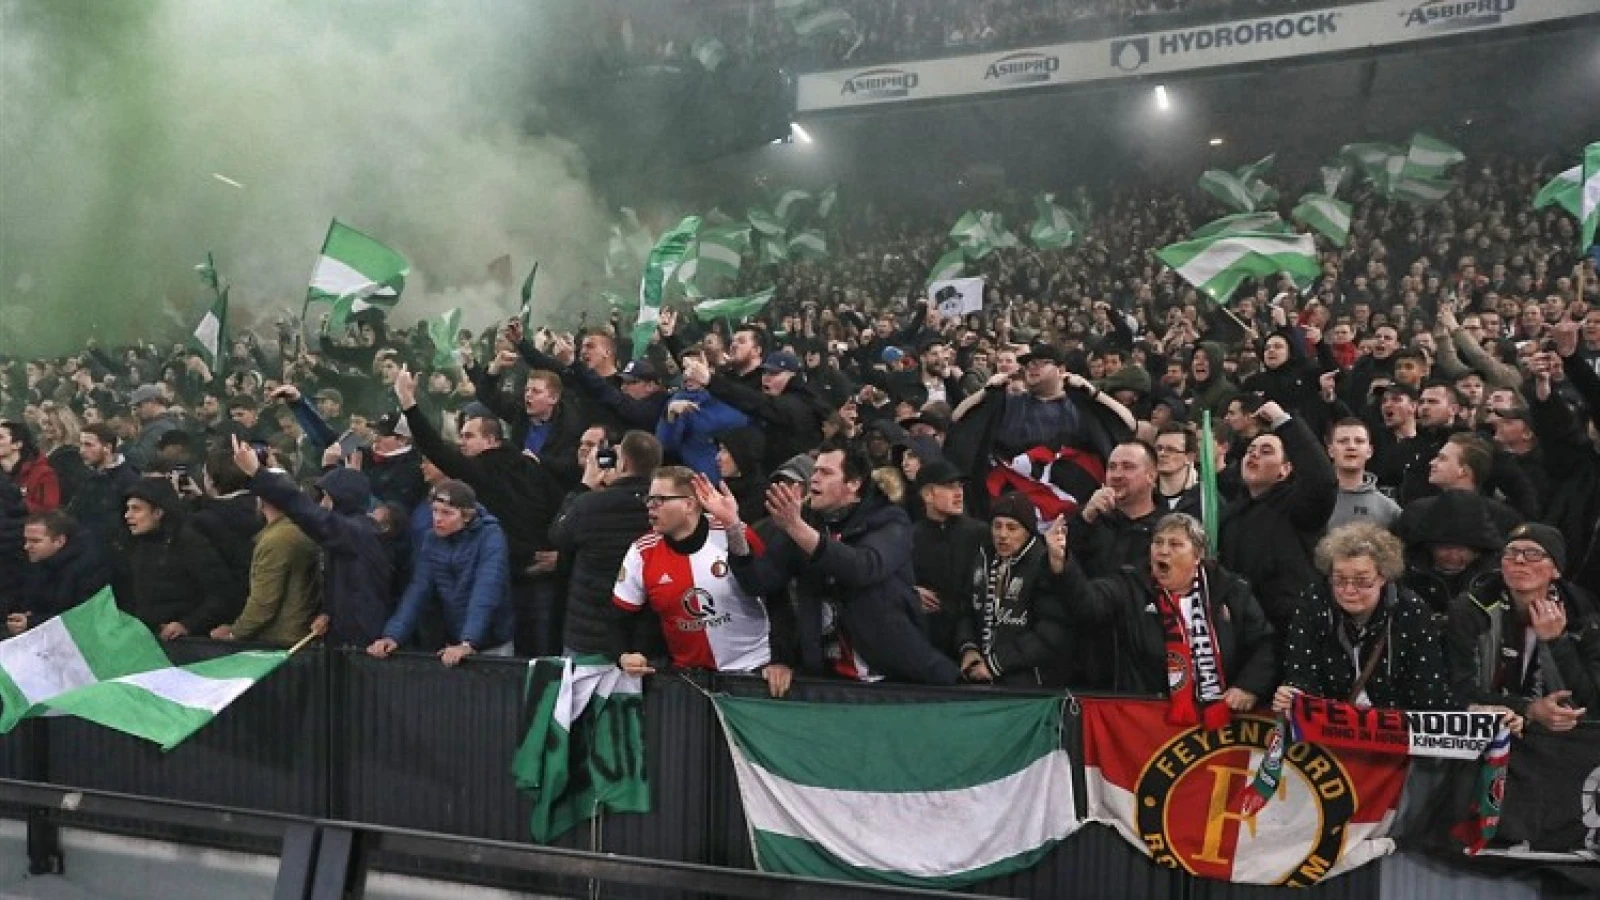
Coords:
404,119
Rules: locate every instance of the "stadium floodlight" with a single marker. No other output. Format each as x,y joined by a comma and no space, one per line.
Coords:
799,132
1162,102
1216,142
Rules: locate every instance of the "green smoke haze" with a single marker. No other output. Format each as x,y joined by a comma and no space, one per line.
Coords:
403,119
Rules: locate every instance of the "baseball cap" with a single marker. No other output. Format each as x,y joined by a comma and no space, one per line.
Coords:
330,394
780,361
937,471
797,469
892,354
639,370
934,420
1410,390
1042,353
391,424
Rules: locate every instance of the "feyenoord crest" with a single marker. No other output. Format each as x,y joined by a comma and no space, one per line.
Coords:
719,569
1177,672
1206,770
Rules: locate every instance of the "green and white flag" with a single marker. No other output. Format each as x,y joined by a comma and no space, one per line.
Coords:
1566,189
980,233
1372,158
808,244
355,273
824,23
1333,177
949,266
1589,198
583,748
766,223
711,52
1416,189
1054,227
836,790
1325,215
1429,157
1268,222
721,251
826,201
1217,266
771,251
442,330
663,262
736,309
210,337
791,9
98,663
784,209
1229,189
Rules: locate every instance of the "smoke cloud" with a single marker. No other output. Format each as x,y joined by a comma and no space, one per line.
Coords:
407,120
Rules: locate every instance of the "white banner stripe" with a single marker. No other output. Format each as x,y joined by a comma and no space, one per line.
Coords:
184,688
333,276
954,831
45,661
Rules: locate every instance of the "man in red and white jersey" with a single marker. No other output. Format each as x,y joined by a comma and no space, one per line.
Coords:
680,569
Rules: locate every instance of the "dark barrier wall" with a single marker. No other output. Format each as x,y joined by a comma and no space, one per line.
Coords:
407,743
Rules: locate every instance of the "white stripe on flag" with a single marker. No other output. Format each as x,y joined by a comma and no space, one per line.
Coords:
45,661
206,333
185,688
337,278
927,834
721,253
1210,262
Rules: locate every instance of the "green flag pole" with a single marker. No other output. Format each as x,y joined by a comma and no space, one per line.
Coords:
1210,501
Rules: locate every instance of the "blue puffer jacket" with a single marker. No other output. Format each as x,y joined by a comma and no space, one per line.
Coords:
468,574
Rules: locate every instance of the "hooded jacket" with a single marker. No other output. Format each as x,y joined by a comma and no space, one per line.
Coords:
1325,651
1457,518
1124,606
748,446
356,564
37,481
174,571
861,572
1364,504
466,574
231,524
1214,393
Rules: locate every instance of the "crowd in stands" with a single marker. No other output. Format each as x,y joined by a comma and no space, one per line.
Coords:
884,31
852,485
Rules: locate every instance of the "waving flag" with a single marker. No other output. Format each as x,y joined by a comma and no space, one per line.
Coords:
664,259
736,309
1054,227
1268,222
1327,216
1589,198
1217,266
951,265
355,272
210,337
442,330
1566,190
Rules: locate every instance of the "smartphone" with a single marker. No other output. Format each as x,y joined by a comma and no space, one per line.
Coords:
605,458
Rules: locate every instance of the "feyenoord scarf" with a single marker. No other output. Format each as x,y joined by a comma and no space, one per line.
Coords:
1195,681
1440,734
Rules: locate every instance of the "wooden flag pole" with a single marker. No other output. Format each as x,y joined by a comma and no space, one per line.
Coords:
302,642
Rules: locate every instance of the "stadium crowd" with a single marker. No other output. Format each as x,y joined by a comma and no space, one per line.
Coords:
851,484
823,35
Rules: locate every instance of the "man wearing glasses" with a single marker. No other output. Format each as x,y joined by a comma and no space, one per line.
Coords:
1526,637
680,570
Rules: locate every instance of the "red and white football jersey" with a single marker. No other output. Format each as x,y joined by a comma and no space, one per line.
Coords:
709,620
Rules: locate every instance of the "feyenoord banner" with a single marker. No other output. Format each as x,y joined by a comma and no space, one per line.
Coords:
1440,734
1172,791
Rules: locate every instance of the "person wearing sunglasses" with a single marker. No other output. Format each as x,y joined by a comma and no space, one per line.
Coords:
1526,637
1358,635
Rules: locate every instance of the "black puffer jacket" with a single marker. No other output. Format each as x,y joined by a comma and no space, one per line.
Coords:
12,514
1269,539
1124,606
74,574
174,572
943,554
98,506
1014,616
862,570
593,532
231,525
1411,673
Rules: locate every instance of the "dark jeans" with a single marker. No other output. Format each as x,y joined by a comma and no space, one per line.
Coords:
538,607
